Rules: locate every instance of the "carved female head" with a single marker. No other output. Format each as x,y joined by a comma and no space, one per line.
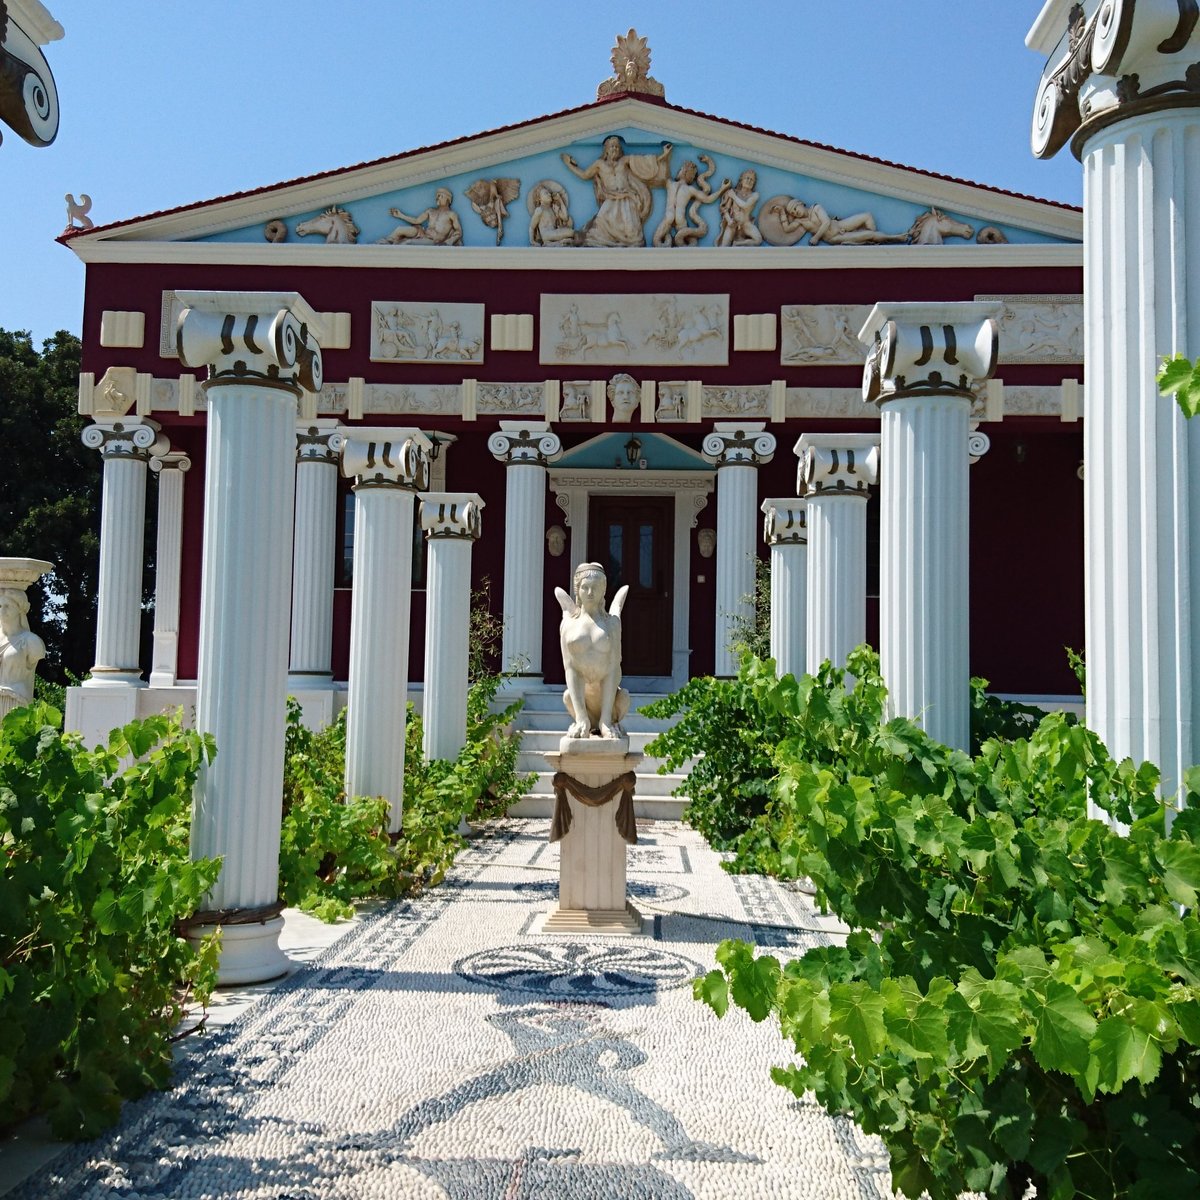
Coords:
590,585
14,605
624,395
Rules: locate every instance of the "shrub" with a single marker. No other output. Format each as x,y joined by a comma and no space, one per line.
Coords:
1019,1000
94,875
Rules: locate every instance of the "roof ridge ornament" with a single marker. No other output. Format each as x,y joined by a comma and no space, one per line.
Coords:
631,62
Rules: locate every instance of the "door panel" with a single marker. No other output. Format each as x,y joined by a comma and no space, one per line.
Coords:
632,537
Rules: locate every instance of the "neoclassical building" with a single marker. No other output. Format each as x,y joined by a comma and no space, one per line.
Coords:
611,325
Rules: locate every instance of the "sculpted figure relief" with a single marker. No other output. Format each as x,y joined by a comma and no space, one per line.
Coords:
490,198
685,194
550,223
737,213
437,226
785,220
591,650
20,651
622,184
631,66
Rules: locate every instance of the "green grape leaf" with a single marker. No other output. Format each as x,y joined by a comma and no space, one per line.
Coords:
1181,871
856,1011
1063,1029
1122,1052
713,990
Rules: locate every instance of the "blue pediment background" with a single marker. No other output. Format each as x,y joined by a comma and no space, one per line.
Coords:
892,214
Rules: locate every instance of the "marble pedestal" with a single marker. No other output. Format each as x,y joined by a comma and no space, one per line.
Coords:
591,873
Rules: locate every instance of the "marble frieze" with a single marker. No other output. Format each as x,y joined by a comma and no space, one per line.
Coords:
405,331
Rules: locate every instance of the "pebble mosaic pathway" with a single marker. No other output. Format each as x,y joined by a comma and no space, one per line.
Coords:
445,1048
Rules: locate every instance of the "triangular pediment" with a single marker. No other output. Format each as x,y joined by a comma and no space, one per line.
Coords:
505,168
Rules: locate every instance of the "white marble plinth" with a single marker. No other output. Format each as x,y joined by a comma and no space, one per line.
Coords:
592,855
249,953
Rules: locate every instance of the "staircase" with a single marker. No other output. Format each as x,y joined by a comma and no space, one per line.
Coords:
543,722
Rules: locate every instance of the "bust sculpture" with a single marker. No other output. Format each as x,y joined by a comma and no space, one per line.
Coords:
20,651
591,648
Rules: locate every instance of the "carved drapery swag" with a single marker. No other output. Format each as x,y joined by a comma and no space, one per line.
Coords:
594,797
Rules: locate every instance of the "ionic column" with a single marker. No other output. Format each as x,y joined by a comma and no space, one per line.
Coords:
1130,68
318,443
925,361
836,474
525,447
738,449
126,446
260,355
785,530
388,466
170,469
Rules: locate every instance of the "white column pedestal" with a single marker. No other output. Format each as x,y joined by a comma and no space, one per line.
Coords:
592,855
785,530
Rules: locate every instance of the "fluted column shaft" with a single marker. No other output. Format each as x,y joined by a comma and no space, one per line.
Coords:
168,559
525,447
259,356
737,449
452,524
126,446
313,555
924,586
388,466
785,530
1141,456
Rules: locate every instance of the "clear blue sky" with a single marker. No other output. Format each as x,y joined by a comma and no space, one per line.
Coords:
167,101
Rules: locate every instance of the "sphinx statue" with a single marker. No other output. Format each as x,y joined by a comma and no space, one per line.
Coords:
591,648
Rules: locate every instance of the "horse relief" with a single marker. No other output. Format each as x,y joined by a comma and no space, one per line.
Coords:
335,224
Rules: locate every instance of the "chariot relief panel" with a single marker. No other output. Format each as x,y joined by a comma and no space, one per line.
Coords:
822,334
658,329
416,331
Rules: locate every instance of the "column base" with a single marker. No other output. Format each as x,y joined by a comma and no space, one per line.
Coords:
594,920
131,678
249,953
315,695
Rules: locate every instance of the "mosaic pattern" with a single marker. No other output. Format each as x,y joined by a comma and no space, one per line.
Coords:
640,891
444,1048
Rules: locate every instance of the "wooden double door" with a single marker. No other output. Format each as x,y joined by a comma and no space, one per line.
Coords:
633,538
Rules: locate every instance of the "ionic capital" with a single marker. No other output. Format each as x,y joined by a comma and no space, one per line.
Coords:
840,464
929,349
172,460
263,338
785,521
452,515
1108,60
28,99
739,444
386,458
132,437
318,441
525,443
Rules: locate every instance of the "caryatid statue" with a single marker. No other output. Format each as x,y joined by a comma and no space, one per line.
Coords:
591,650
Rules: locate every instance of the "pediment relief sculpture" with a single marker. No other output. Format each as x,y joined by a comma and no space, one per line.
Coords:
622,184
550,222
738,226
786,220
682,224
438,225
335,224
490,198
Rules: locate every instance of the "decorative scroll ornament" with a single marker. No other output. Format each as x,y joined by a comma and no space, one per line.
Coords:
272,348
978,444
173,460
838,464
732,445
455,515
135,439
631,64
594,797
386,458
929,349
28,96
1114,59
525,443
317,445
785,521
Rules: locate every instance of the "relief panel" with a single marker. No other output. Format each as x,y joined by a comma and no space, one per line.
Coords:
414,331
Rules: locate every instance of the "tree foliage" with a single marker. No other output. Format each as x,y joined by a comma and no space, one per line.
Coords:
50,493
1018,1000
